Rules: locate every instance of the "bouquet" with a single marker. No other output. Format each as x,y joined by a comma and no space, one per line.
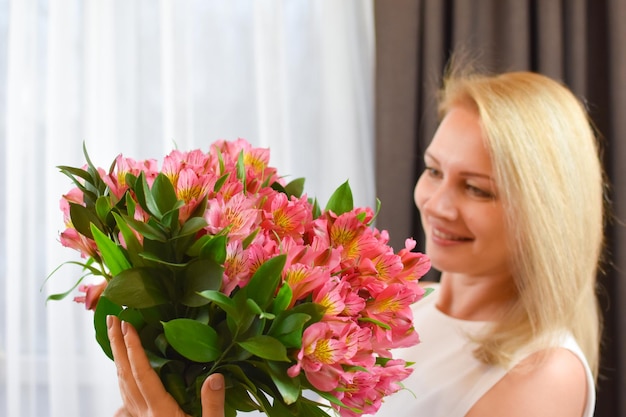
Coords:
223,266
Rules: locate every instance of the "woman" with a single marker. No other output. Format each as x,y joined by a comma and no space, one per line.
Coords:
512,205
511,201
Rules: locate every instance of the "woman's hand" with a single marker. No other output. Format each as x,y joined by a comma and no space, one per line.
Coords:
142,392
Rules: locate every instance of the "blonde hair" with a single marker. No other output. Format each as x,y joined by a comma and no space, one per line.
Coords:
549,176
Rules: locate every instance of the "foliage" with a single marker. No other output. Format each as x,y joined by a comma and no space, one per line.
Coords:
224,267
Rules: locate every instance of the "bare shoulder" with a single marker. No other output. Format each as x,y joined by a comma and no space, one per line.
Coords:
554,386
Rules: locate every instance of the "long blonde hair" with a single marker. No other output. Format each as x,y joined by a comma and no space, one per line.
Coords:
549,176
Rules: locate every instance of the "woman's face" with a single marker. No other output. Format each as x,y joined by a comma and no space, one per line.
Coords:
461,212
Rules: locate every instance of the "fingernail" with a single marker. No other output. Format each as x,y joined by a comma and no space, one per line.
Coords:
109,321
124,327
216,382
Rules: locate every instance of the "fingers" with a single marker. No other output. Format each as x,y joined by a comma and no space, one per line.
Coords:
131,396
145,377
213,396
142,392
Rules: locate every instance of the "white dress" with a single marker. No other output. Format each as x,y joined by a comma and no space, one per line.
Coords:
447,380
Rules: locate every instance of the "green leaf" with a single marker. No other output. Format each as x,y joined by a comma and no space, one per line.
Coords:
195,341
241,170
215,249
131,205
265,347
192,226
276,186
262,286
253,307
132,316
145,229
250,238
316,311
200,275
288,387
90,164
341,200
283,299
244,318
220,182
194,249
136,287
75,172
159,363
332,399
112,254
133,247
288,328
316,209
104,308
145,198
103,208
175,385
237,396
376,322
427,291
60,296
295,187
89,197
164,194
82,219
170,221
378,205
312,409
223,301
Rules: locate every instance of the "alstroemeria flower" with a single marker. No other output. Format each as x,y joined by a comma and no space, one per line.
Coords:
91,294
70,238
286,216
238,215
325,346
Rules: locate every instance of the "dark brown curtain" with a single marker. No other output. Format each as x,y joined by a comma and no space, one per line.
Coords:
580,42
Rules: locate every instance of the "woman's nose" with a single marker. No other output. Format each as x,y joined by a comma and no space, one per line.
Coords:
441,202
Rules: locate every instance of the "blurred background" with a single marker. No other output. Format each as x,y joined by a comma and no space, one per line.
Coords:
337,89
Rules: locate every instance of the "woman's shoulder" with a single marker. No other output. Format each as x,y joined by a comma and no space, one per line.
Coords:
546,383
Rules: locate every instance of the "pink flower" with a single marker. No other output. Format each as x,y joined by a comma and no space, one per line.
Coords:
236,267
75,195
286,217
117,179
415,264
237,215
192,189
365,390
326,346
92,293
393,308
70,238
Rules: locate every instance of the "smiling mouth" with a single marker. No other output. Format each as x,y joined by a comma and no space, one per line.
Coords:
441,235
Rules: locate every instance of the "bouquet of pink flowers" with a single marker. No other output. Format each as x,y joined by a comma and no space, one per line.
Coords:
222,266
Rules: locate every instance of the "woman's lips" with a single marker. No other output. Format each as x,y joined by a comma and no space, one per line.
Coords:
440,235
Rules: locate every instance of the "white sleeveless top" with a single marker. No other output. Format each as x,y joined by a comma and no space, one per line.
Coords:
447,380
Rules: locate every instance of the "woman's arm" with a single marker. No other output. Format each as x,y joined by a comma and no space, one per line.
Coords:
142,392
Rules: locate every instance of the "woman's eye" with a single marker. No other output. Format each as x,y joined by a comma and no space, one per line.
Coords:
432,172
479,192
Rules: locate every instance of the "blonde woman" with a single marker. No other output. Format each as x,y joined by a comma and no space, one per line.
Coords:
512,205
511,201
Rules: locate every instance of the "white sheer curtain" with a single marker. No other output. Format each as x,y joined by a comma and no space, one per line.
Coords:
140,77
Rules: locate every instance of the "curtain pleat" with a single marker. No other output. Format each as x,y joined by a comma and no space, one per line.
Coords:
580,42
